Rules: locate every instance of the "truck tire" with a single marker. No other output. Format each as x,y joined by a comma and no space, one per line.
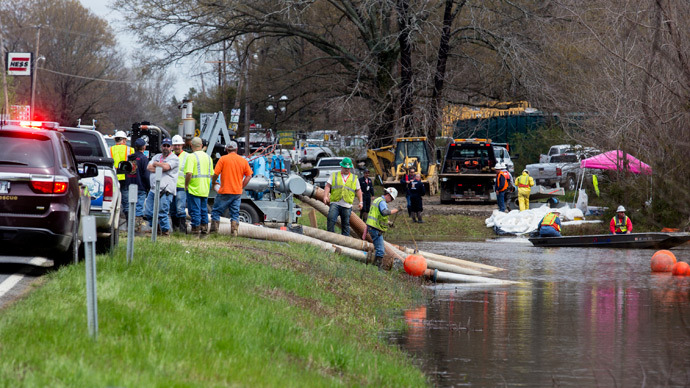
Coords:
570,183
71,255
248,214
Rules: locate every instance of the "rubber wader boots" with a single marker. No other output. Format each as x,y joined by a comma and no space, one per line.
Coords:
195,230
387,263
414,216
214,227
234,228
378,260
419,218
183,224
203,230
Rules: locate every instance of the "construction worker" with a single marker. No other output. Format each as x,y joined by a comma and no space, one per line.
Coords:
620,223
405,183
416,191
502,185
341,188
524,183
377,225
235,173
197,183
119,152
139,176
367,186
550,225
178,209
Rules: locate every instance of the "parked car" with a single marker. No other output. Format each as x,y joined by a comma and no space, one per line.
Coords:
313,152
563,170
502,155
326,167
104,189
40,192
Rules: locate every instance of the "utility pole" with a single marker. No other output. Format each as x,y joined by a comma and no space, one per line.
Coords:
4,80
33,73
247,147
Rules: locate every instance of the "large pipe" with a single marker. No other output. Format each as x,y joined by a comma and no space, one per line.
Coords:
262,233
487,269
433,264
337,238
447,277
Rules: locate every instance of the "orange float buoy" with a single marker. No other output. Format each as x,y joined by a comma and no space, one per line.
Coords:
681,268
415,265
663,261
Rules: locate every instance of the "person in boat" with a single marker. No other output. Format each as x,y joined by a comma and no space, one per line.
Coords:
620,223
550,225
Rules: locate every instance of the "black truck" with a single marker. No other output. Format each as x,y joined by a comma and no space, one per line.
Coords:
468,171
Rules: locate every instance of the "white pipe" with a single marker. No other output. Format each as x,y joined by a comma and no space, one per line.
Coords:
261,233
484,268
339,239
447,277
433,264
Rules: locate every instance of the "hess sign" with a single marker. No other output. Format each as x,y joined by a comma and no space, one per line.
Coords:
19,63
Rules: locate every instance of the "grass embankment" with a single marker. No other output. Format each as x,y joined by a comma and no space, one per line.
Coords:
212,313
435,227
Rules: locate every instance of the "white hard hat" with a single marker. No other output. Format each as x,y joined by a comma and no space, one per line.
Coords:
500,166
620,209
120,134
177,139
392,191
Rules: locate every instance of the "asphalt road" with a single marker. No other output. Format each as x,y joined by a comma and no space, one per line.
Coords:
17,273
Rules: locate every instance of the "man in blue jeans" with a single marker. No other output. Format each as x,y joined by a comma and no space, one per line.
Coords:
169,163
377,225
235,173
139,176
341,188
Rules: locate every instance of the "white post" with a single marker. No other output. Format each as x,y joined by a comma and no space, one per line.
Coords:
89,233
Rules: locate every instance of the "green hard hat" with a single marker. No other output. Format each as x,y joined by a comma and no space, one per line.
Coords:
346,163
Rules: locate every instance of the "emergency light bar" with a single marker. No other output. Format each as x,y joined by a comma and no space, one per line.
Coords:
35,124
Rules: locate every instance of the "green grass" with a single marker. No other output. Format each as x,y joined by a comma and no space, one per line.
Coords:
208,313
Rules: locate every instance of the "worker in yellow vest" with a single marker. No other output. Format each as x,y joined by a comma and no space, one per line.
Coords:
524,184
620,223
550,225
341,189
198,171
377,225
119,152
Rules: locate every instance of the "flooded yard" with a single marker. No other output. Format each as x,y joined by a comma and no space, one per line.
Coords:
581,317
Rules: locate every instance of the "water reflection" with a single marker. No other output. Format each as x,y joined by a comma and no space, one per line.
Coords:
583,317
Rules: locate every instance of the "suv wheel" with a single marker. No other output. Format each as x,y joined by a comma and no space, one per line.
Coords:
71,255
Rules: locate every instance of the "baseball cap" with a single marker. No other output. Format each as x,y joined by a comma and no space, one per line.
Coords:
139,142
196,142
232,145
167,141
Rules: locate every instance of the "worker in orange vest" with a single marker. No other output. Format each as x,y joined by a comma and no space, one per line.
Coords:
620,223
550,225
503,184
524,183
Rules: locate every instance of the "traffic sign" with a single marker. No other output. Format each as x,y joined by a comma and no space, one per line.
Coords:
19,63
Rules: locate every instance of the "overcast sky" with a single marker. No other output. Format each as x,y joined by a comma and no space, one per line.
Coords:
128,42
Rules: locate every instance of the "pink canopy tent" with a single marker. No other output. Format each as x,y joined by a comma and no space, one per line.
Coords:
616,160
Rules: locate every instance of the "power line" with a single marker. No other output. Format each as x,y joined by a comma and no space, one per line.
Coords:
91,78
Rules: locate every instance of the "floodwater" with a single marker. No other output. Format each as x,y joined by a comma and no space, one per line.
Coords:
582,318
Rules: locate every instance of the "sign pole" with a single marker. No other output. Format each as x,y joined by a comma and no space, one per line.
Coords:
33,73
4,79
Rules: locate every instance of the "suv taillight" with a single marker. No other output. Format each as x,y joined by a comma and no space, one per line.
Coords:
50,184
108,189
558,171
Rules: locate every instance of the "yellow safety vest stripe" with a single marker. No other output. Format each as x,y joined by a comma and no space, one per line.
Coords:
347,191
375,219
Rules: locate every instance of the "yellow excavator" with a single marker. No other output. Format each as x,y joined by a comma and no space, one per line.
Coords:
391,163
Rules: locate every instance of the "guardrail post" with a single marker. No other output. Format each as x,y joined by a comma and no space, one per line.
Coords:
156,203
89,234
130,221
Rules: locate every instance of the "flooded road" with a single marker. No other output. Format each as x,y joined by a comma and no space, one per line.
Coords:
583,317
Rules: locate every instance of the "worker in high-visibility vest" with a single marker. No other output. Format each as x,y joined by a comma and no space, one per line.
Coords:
341,189
502,186
524,183
377,225
119,152
620,223
198,171
550,225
